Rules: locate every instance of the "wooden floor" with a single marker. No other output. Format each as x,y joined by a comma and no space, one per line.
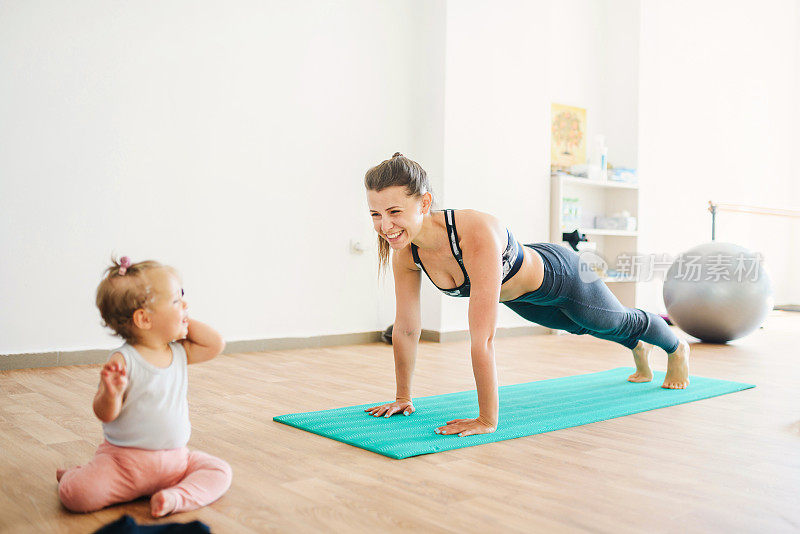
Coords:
726,464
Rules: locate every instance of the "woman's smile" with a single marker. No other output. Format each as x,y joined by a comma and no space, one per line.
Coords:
393,237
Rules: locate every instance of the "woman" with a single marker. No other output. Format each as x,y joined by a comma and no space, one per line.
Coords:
467,253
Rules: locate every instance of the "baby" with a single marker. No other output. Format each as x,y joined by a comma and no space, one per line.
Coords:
142,402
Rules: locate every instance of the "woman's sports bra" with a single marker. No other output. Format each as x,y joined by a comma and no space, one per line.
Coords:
512,257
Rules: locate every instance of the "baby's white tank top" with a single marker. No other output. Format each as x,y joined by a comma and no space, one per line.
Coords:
155,411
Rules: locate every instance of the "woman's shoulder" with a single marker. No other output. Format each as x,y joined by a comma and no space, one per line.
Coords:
473,222
404,258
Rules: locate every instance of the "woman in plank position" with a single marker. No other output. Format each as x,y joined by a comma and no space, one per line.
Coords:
466,253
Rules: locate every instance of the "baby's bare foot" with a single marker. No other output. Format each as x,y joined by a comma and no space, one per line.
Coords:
59,474
162,503
678,368
641,355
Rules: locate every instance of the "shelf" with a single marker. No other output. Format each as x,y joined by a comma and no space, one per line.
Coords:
598,198
597,183
608,231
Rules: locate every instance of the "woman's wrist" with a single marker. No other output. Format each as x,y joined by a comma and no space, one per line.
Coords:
488,421
403,398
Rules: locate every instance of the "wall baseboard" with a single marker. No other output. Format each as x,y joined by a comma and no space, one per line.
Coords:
86,357
286,343
10,362
463,335
52,359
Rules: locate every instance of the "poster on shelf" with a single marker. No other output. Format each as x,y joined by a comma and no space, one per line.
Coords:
567,137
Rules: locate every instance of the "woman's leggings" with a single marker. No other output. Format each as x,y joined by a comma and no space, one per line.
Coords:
566,302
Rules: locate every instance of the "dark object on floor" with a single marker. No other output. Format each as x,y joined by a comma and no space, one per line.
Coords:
667,319
573,238
127,525
386,336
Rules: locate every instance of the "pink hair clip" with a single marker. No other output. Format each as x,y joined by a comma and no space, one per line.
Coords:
124,263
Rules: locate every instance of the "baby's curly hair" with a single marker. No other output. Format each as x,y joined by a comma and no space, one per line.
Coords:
124,289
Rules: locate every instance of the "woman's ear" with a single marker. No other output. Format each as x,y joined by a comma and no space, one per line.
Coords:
141,319
427,201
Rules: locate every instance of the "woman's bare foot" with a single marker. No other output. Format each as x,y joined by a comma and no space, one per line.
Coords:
163,503
59,474
678,368
641,355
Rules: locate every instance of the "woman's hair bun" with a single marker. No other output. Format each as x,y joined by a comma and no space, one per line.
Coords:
397,155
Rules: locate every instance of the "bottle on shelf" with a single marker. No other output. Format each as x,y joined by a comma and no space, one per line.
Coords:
571,213
598,169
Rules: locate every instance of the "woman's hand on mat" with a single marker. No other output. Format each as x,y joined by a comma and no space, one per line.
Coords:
387,410
114,378
466,427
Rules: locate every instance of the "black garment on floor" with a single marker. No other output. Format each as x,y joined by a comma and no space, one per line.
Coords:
127,525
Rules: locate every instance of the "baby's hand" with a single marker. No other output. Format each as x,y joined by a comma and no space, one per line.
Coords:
114,378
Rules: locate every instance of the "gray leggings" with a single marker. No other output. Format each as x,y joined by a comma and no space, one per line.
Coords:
565,302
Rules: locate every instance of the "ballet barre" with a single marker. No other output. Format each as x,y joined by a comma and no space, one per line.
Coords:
714,207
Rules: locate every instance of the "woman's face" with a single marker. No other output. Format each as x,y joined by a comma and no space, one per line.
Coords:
396,215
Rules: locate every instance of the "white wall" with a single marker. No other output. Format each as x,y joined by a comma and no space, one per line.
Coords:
575,61
228,140
618,50
427,141
793,296
718,109
506,62
231,142
496,135
593,63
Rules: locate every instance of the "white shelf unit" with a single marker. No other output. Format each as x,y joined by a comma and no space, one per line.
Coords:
599,198
597,183
606,231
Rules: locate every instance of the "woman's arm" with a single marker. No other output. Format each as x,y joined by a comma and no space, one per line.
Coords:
405,334
482,252
407,326
202,342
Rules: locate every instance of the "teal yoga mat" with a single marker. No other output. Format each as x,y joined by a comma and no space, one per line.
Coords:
525,409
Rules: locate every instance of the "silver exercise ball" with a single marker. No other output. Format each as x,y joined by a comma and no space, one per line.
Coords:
717,292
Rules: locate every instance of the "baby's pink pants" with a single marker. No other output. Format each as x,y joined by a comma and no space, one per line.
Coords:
121,474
